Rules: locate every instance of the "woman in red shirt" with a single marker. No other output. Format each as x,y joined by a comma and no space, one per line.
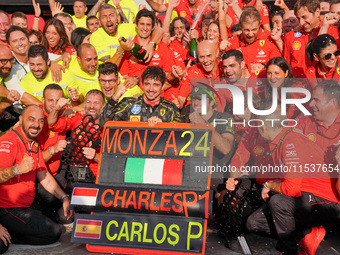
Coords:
325,54
56,38
279,74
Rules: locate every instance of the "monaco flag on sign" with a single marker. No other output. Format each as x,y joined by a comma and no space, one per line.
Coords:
84,196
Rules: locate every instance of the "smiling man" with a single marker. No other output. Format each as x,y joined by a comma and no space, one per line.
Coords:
253,42
40,76
308,14
4,26
150,107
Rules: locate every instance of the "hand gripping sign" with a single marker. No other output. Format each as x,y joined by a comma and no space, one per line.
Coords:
148,198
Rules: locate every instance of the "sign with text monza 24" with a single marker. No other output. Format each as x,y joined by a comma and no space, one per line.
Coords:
147,199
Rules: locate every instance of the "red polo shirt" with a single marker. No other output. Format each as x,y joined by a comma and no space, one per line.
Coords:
295,46
314,75
64,124
48,138
184,11
19,191
252,149
264,14
293,149
132,67
259,52
178,49
196,75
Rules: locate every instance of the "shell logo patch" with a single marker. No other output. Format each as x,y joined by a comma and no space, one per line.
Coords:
311,137
262,42
135,118
258,150
182,14
296,45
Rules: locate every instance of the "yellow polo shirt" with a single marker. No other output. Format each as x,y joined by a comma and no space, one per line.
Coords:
84,80
107,45
79,22
35,86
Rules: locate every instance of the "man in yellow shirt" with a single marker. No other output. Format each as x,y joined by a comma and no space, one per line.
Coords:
129,8
40,76
79,17
84,68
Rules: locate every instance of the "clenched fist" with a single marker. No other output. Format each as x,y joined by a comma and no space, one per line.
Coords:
26,165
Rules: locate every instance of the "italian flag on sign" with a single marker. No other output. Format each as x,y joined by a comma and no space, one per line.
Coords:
153,171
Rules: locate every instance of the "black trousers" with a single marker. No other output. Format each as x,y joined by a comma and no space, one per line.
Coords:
29,226
293,218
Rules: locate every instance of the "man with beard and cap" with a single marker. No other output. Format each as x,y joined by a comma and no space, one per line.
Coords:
21,163
93,105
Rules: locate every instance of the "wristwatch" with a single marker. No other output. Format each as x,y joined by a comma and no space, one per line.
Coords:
154,44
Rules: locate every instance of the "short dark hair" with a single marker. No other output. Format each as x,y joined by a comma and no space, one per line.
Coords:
146,13
95,92
13,29
52,86
106,6
172,25
78,35
38,50
19,15
311,5
331,89
317,44
89,18
236,27
233,53
64,15
83,1
154,72
108,68
250,13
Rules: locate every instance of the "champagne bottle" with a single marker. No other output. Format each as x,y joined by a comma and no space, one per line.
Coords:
137,51
193,52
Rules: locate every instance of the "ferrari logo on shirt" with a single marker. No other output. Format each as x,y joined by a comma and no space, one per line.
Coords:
262,42
296,45
183,14
51,133
338,70
135,118
162,112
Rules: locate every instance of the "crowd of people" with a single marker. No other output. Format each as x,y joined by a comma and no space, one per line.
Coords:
55,73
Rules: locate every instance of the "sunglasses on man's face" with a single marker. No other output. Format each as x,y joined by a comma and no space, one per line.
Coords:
329,55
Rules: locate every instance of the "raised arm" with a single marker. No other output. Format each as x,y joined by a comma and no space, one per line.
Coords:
156,6
95,8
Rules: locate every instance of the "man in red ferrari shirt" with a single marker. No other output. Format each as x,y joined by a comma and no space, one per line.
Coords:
294,47
131,66
93,105
253,42
21,163
303,198
51,144
208,71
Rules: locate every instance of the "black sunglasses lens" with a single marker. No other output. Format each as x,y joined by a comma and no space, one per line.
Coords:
337,53
328,56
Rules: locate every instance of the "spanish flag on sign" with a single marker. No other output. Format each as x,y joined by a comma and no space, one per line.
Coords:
88,229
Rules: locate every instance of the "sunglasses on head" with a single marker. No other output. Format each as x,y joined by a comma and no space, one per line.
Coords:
329,55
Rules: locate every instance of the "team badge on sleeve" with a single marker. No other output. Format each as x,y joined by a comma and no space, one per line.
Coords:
136,109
